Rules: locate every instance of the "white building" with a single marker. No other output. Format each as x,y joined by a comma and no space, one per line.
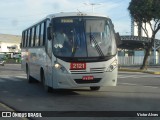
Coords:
136,29
9,44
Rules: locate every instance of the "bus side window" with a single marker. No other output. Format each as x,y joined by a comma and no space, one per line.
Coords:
23,38
39,43
32,37
26,38
47,23
37,36
41,34
44,33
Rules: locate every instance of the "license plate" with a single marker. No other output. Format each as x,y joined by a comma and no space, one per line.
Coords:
77,66
87,78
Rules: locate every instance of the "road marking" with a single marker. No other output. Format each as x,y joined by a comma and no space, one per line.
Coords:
120,72
9,79
130,84
4,76
124,76
138,76
7,76
151,87
146,77
21,76
13,75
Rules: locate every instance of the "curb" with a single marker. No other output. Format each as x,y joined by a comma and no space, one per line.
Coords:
143,71
11,110
6,107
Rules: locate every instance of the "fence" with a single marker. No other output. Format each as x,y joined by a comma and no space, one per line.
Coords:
137,60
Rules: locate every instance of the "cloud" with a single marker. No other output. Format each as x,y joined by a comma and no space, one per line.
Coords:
23,13
54,6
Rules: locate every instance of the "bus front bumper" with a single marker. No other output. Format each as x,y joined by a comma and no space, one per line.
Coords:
64,80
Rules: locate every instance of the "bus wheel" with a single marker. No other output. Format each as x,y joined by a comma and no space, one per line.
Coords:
46,88
29,78
95,88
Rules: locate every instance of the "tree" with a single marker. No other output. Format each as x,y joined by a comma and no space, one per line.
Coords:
146,12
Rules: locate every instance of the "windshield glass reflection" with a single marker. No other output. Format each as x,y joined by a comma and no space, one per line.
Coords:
83,37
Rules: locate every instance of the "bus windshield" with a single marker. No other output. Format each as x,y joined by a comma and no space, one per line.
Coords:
83,37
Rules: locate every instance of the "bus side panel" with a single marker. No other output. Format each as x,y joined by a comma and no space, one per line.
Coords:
35,59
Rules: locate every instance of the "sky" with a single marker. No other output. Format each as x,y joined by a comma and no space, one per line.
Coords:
16,15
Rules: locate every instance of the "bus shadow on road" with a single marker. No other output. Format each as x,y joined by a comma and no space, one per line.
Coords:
64,92
69,91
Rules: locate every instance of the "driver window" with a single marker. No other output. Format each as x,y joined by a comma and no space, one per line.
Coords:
60,38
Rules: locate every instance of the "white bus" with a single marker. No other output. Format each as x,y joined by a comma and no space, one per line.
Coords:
71,50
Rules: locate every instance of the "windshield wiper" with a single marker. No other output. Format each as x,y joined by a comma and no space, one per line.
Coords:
74,49
96,45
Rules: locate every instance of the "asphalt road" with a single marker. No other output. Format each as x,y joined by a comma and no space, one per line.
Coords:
134,92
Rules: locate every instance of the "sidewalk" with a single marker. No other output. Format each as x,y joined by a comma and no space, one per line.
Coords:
151,69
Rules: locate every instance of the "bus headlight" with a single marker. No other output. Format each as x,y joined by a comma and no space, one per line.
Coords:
60,67
112,66
57,66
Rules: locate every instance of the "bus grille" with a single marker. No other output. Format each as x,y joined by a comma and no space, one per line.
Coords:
78,71
80,81
97,70
92,71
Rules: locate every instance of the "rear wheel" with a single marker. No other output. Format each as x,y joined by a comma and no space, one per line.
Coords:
46,87
95,88
29,78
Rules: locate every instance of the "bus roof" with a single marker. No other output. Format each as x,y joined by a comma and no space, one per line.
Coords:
67,14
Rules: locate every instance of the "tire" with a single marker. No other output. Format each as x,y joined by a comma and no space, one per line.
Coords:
46,88
29,78
95,88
